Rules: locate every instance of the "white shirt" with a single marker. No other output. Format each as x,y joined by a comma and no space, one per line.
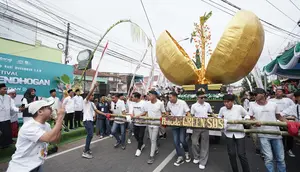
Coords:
55,105
13,113
292,111
283,103
6,105
235,113
265,113
201,110
138,108
69,104
180,108
117,109
78,103
30,152
88,110
246,104
154,110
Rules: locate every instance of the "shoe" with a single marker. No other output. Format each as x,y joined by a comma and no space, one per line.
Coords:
117,144
87,155
150,160
132,134
101,137
138,152
129,141
290,153
90,152
187,157
123,147
143,147
196,161
110,135
66,130
202,167
179,161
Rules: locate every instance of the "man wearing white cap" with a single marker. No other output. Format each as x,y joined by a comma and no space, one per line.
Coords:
13,114
34,136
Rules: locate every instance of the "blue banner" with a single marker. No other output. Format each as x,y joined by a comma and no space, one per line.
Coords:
21,73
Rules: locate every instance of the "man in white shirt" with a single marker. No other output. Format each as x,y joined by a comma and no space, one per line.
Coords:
55,105
292,112
271,145
6,107
89,111
78,107
284,103
200,109
34,136
155,109
179,108
69,105
235,141
118,108
137,110
14,115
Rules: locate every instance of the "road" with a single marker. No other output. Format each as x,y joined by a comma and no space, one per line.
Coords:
108,159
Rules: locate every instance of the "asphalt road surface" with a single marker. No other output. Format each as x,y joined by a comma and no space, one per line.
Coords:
109,159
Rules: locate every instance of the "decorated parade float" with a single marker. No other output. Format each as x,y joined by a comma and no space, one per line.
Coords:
236,54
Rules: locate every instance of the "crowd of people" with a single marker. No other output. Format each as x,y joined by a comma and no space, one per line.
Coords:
35,134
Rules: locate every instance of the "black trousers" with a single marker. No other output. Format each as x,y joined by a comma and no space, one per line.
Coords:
69,118
139,132
77,118
237,146
288,142
5,134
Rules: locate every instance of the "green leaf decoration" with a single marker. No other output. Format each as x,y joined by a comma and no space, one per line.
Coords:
66,79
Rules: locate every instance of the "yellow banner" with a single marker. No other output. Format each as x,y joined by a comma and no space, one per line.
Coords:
209,123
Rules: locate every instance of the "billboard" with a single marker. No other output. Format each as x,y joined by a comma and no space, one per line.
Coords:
21,73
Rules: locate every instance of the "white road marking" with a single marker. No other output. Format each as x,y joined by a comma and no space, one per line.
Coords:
165,162
69,150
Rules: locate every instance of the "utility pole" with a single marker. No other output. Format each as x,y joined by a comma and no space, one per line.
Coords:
67,44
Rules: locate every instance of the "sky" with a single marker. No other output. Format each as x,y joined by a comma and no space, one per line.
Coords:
176,16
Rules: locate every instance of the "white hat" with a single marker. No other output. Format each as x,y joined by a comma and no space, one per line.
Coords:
11,91
37,105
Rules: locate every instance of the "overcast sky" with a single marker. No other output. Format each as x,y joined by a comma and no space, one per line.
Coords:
176,16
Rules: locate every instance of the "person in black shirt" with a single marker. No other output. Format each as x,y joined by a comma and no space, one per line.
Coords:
102,123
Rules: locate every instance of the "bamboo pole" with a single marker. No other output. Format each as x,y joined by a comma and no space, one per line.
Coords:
253,122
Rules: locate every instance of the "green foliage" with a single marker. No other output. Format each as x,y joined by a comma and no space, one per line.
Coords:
66,79
205,17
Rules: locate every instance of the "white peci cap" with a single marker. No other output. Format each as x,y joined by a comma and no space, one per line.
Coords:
37,105
11,91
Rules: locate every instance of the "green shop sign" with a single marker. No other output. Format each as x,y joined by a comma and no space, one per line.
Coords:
21,73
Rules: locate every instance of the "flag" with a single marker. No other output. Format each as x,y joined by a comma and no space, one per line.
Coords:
96,73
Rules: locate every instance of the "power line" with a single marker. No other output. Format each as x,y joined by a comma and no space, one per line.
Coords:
80,41
148,19
281,11
295,5
85,28
235,12
274,26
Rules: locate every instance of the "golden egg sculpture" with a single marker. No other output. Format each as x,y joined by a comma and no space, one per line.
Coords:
238,50
174,62
234,57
